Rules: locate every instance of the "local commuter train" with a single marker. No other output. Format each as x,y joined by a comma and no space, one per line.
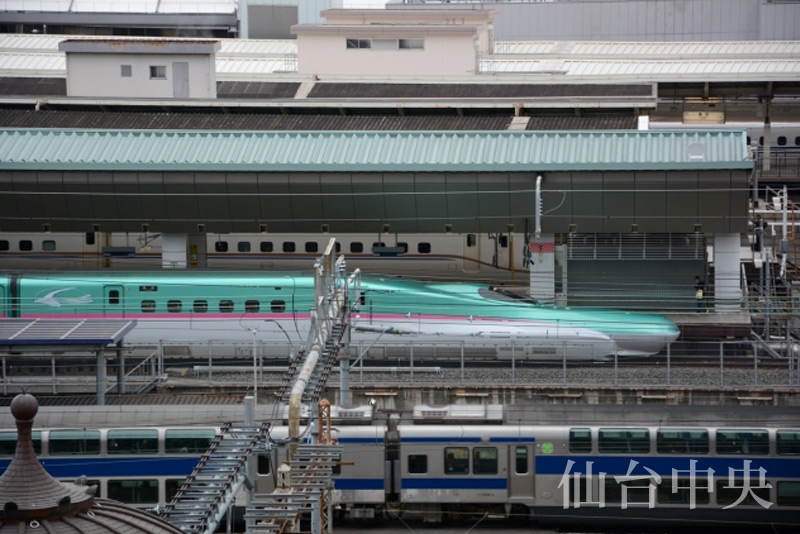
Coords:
273,309
596,475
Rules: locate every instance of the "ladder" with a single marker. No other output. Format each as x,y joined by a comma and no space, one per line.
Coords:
208,493
319,376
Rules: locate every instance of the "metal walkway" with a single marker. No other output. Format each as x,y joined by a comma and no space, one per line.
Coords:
207,494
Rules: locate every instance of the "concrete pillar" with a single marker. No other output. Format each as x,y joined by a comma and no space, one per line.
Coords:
727,286
173,251
542,269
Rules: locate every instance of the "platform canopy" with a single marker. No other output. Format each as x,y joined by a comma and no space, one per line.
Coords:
85,334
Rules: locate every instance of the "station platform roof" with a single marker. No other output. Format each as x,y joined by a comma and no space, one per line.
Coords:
85,334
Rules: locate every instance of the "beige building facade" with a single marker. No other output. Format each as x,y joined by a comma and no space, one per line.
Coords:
370,42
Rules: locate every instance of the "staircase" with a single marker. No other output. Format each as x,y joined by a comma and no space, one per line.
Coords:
310,476
211,489
319,376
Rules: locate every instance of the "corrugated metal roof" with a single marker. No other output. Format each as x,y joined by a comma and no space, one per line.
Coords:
639,50
408,151
47,118
40,332
129,6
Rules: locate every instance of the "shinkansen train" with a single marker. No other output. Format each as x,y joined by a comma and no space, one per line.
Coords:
271,309
598,472
784,135
503,256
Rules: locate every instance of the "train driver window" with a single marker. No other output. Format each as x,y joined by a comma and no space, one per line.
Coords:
456,461
580,440
417,464
742,442
484,461
788,442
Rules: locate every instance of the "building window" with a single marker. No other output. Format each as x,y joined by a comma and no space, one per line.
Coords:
158,72
411,44
359,43
126,71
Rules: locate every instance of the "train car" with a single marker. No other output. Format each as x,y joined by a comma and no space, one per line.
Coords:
783,134
733,473
598,477
199,308
495,256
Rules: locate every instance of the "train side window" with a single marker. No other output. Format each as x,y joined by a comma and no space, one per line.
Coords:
729,495
503,241
356,247
404,246
788,493
180,441
582,485
472,240
797,141
787,442
148,306
133,491
311,246
113,297
742,442
171,487
277,306
200,306
133,441
580,440
74,442
619,440
264,464
338,247
417,464
8,442
26,245
289,246
521,460
781,140
637,491
685,486
761,140
252,306
682,441
221,246
226,306
243,246
89,238
174,306
336,468
424,248
484,461
48,245
266,246
377,244
456,461
4,245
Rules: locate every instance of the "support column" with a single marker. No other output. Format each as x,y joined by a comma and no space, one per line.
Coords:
727,284
101,378
542,269
173,251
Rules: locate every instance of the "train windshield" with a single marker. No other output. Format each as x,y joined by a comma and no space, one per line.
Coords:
505,294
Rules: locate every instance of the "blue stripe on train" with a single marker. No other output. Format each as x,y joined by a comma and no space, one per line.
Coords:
663,465
115,467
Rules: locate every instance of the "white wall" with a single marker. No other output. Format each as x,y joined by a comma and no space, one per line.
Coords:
442,55
99,75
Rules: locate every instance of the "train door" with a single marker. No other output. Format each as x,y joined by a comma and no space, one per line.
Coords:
472,253
5,299
521,470
113,303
